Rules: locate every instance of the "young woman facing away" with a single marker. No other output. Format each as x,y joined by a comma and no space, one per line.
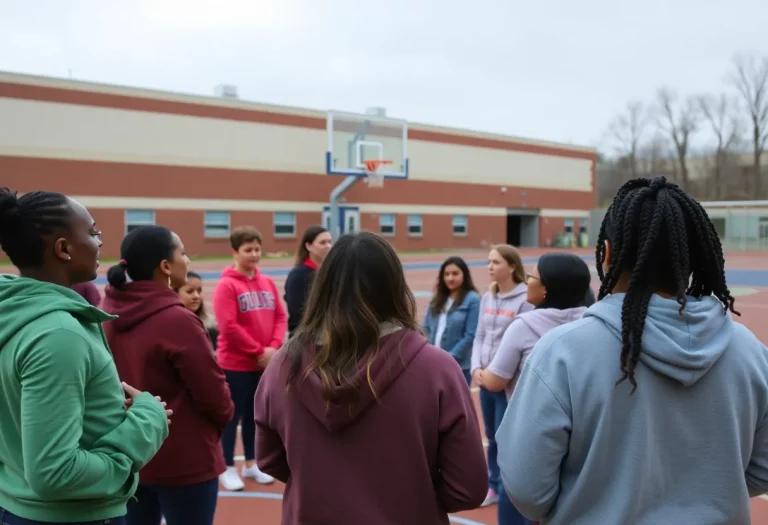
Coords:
191,294
161,346
59,389
451,319
556,287
358,391
652,408
313,249
252,325
506,299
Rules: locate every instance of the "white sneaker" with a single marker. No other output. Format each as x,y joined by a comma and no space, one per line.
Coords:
230,480
253,472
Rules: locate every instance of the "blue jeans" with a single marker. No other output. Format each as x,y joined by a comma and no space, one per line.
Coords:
179,505
508,513
468,377
6,518
493,405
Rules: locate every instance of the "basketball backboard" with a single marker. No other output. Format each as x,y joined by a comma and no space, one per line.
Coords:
354,138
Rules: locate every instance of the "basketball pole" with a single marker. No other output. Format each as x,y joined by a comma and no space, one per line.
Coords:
336,194
347,183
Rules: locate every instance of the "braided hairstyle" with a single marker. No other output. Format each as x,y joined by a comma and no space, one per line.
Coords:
26,221
663,239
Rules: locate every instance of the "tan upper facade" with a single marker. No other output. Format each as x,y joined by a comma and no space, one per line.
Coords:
65,119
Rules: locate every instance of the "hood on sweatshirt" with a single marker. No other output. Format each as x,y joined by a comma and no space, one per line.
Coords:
396,351
22,300
682,347
231,273
542,320
136,302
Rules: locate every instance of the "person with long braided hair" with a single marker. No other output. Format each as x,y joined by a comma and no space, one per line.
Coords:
653,407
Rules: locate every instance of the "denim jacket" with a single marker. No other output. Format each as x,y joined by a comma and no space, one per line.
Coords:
460,327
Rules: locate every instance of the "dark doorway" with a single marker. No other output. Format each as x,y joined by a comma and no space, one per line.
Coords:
514,230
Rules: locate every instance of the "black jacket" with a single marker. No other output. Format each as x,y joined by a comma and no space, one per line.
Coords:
296,292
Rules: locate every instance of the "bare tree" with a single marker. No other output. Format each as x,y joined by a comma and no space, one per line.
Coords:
725,126
750,78
626,132
679,122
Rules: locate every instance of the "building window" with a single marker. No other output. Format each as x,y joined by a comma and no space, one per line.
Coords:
217,224
387,224
136,218
460,223
568,225
415,226
285,224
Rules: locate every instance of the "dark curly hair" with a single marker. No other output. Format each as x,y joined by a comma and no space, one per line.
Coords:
664,240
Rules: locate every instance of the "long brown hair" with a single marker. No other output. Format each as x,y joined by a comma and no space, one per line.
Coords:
512,255
309,236
443,293
360,285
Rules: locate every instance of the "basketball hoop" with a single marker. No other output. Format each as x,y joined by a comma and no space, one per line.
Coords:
372,172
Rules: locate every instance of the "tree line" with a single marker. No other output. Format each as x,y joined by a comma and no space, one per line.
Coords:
656,138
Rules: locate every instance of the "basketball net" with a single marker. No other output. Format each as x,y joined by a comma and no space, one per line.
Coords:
374,179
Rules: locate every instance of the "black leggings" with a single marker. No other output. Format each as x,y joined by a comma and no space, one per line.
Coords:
242,388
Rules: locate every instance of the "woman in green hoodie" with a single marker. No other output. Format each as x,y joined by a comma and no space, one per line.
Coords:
71,443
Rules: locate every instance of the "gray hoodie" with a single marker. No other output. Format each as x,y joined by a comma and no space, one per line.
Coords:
689,446
497,311
522,334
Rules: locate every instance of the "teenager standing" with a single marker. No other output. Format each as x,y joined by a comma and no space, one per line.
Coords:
652,408
70,450
313,248
358,393
161,346
498,307
252,325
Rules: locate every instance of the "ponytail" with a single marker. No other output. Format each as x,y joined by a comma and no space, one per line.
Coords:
116,275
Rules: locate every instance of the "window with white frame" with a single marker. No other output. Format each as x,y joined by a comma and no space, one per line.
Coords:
136,218
387,224
415,226
460,225
217,224
284,224
568,226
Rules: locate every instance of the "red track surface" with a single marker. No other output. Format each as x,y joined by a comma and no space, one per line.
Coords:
264,511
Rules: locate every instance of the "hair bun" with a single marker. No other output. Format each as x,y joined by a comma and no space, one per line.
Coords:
9,204
658,183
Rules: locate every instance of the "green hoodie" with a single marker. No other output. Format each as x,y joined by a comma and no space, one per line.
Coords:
69,451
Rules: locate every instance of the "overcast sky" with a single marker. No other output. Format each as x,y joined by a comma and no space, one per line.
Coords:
550,69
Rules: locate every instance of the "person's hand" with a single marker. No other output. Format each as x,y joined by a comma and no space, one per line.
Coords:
265,357
132,393
477,377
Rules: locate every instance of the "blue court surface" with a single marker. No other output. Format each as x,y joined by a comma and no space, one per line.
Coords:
756,278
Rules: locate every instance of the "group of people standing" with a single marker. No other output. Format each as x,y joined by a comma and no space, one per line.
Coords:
490,336
650,406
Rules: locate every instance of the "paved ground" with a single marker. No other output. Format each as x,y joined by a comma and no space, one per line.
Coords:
747,275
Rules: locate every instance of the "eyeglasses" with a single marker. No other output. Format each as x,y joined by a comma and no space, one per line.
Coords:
528,277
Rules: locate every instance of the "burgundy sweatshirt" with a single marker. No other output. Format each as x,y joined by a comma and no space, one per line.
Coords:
410,458
89,292
162,347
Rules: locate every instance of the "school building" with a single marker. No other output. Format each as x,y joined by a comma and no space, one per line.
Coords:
203,165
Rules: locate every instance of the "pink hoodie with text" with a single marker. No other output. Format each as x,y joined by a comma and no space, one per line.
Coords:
250,316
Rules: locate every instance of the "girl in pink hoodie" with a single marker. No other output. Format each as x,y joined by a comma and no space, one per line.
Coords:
252,325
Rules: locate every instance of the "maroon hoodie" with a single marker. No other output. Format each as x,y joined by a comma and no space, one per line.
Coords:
410,458
162,347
